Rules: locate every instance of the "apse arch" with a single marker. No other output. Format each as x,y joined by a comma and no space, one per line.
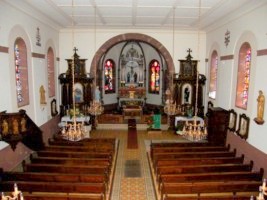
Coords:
132,36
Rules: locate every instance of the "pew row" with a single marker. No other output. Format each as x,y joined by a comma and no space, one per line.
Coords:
88,188
208,187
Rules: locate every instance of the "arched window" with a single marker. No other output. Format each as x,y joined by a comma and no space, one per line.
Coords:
109,71
21,72
51,72
154,77
244,63
213,75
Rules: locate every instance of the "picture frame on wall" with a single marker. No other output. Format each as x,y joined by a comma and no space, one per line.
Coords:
232,120
54,111
243,127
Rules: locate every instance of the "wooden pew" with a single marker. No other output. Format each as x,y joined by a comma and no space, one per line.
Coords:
208,187
199,161
178,144
188,149
54,177
28,186
85,142
202,169
92,148
70,154
168,155
214,196
212,176
61,196
79,169
69,161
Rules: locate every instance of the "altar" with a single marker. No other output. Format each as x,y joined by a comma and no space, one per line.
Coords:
132,112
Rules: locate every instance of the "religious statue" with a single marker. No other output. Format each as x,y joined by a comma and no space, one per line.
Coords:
4,127
128,77
42,95
97,94
135,77
260,108
186,95
15,127
23,125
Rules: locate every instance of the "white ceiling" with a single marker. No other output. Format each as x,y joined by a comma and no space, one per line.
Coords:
181,14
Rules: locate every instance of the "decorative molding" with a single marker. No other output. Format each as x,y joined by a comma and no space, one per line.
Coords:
38,37
3,49
227,57
38,55
262,52
227,38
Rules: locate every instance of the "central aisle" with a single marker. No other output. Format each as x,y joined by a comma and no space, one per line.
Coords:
132,180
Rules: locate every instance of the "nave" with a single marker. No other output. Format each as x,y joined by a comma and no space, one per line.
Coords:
135,175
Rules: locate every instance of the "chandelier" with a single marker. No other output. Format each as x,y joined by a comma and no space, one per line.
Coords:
16,195
170,107
262,191
96,107
197,131
73,131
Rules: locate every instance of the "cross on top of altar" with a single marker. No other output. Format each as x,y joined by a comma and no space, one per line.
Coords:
189,57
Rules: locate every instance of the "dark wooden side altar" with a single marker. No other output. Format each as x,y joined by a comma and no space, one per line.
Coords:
185,86
82,85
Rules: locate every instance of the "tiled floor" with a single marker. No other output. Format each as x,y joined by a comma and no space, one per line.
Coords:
131,185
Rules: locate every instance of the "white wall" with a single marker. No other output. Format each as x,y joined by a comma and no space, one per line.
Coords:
16,22
84,41
248,27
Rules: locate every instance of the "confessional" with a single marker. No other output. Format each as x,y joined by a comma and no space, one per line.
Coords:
80,83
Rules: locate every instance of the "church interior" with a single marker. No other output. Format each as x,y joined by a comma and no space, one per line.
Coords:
133,100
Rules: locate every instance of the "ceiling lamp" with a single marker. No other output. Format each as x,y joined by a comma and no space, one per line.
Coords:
96,107
73,131
196,131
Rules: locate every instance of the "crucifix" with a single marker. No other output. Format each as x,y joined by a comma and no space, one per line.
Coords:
189,50
75,49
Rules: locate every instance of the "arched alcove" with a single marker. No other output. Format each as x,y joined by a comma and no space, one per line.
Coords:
137,37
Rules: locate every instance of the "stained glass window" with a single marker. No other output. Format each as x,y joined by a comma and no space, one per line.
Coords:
109,71
51,72
21,72
154,77
244,64
213,75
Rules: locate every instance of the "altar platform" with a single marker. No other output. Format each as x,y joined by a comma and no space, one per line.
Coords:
132,112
